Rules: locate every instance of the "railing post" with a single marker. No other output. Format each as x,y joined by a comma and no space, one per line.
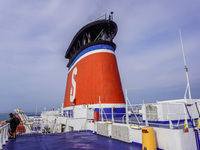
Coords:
4,133
127,119
1,142
170,122
101,108
102,114
112,115
123,119
7,132
145,113
185,112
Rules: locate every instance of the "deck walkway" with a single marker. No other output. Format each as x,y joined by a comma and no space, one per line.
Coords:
67,141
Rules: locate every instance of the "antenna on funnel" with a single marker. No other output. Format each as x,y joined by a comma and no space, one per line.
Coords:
186,69
111,15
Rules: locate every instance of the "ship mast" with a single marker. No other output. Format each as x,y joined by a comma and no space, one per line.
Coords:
186,69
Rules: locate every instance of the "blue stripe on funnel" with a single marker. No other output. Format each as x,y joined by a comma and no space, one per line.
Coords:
91,48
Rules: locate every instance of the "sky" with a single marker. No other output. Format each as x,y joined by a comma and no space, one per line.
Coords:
34,36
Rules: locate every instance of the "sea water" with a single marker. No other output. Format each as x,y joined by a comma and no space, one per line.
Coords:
4,116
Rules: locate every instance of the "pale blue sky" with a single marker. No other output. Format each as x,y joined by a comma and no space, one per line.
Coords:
34,36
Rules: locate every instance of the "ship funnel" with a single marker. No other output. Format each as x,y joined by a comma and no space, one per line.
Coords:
93,75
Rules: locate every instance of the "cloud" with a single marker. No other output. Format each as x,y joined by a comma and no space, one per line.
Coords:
34,37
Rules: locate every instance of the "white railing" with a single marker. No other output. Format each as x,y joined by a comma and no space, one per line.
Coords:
3,134
173,117
135,119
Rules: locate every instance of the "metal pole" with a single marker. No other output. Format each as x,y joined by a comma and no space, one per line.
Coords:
194,129
1,140
185,112
4,134
146,120
127,119
170,122
112,115
101,108
7,132
187,77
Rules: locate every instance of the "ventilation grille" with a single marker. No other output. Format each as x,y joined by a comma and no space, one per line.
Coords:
121,133
102,129
152,113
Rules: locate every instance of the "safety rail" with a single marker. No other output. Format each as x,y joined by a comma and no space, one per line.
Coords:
166,115
138,115
172,124
3,134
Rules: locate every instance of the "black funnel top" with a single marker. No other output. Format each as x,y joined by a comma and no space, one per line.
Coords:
97,32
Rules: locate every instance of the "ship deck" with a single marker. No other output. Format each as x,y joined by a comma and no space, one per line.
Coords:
70,140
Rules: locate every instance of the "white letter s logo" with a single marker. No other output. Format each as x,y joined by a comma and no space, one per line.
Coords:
73,88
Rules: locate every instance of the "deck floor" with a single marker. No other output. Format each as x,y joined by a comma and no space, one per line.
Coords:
68,141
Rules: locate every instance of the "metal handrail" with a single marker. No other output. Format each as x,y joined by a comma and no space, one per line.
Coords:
140,122
3,134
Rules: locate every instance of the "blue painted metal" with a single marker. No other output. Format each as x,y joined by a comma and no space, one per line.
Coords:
195,130
173,121
91,48
65,141
117,112
159,149
69,112
137,144
140,145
